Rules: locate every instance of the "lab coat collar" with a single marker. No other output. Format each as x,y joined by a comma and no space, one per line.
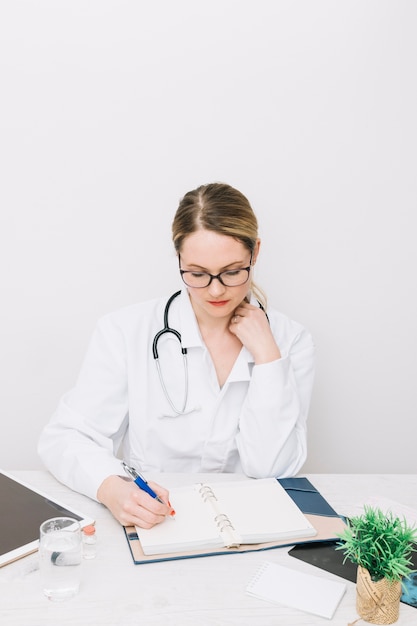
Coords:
191,337
190,332
241,369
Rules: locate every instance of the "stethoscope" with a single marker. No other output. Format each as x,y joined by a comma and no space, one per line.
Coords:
164,331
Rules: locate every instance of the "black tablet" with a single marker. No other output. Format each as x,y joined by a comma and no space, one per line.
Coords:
22,510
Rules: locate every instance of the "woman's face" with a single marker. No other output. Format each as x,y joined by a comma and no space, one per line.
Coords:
207,251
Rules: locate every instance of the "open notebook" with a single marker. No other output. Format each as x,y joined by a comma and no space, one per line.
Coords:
227,514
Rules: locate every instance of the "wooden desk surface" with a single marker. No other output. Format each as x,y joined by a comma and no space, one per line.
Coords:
194,592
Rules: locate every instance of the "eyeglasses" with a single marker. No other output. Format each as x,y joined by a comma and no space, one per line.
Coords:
228,278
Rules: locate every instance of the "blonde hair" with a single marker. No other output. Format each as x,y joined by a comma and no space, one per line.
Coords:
222,209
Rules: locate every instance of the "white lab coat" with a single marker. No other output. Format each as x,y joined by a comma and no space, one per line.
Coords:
255,423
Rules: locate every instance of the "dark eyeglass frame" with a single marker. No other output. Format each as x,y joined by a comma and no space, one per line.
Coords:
218,276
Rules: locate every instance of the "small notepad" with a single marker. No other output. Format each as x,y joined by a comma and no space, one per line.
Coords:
306,592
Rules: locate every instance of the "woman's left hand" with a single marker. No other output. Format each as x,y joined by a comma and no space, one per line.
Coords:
250,325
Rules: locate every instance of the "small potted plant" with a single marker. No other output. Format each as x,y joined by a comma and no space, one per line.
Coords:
381,545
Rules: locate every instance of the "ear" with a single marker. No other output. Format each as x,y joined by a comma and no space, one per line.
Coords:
256,251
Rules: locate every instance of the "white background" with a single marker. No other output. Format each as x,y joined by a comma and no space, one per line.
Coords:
111,110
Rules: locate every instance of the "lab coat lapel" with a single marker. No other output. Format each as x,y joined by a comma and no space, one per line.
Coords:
191,337
242,368
187,323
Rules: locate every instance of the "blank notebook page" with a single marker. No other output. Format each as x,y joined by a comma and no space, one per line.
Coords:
185,530
261,509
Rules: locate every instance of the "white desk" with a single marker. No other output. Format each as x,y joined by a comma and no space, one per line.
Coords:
206,591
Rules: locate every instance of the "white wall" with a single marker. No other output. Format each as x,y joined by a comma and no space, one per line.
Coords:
111,109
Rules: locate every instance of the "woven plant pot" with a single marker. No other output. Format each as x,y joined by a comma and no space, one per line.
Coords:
377,602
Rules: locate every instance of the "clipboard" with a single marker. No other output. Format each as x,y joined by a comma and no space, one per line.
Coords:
23,509
308,499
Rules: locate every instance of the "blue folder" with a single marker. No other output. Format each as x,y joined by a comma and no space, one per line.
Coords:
306,497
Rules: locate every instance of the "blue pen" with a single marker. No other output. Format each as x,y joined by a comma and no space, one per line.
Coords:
142,484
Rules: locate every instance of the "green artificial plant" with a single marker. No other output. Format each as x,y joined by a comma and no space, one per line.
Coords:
380,543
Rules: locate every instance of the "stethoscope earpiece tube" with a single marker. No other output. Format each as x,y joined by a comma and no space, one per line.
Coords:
165,330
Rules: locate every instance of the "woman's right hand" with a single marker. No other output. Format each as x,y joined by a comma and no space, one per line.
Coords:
132,506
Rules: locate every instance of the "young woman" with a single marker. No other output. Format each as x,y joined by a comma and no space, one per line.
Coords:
205,381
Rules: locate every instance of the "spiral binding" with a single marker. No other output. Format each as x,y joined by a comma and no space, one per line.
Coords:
223,522
207,493
258,574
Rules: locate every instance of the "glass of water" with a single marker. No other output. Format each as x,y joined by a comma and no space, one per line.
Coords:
60,554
